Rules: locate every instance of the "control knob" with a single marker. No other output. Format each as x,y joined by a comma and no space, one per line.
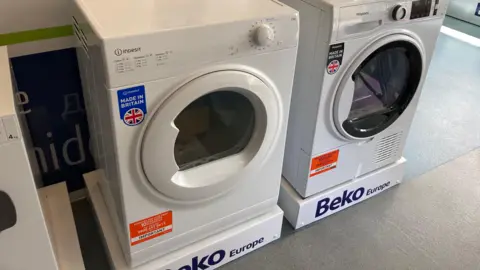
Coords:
399,12
263,35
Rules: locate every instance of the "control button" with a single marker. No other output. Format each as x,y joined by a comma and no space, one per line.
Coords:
263,35
399,12
11,128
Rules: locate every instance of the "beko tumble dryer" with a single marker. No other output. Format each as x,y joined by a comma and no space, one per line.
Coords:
187,104
360,70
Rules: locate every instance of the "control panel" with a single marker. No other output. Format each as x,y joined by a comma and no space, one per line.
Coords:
359,20
159,55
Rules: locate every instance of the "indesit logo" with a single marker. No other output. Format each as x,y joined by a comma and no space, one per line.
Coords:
362,13
119,51
206,261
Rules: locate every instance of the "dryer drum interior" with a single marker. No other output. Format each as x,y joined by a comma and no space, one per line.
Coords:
223,123
385,83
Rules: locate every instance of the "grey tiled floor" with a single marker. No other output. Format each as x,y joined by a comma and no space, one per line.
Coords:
447,121
430,222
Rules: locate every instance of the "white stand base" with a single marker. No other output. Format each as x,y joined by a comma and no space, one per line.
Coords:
58,215
208,253
300,212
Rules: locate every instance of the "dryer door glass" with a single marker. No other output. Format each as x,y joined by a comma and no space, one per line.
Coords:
215,126
385,83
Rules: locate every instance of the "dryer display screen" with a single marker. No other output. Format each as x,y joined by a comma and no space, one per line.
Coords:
421,9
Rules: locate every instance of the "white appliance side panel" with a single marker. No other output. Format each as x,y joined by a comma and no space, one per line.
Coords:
25,232
305,99
316,82
110,184
29,235
92,74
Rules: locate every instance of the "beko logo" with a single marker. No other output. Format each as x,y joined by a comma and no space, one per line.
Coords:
324,205
119,52
215,258
347,198
362,13
206,261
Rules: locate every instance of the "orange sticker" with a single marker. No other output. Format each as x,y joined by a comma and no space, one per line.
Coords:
324,163
150,228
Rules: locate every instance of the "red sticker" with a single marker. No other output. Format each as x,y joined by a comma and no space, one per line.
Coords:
324,163
150,228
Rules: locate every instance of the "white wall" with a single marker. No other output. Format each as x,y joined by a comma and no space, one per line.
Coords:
464,10
21,15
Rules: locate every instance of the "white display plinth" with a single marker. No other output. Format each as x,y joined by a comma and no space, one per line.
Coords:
208,253
300,212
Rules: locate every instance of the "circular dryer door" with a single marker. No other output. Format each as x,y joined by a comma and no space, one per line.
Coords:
378,86
204,136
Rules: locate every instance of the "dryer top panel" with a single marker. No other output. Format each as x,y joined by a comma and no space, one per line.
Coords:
121,18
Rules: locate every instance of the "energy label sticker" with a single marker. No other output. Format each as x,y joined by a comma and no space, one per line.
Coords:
324,163
150,228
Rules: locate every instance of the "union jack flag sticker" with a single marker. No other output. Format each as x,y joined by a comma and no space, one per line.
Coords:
134,117
333,67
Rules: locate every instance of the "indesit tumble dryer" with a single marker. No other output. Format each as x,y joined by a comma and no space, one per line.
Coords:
360,70
187,103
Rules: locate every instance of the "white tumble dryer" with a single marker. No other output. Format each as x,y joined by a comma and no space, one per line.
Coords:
187,104
360,70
